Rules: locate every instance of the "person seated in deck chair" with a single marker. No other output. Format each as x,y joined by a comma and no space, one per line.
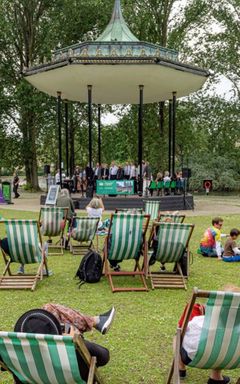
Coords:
5,246
192,337
231,252
210,245
56,319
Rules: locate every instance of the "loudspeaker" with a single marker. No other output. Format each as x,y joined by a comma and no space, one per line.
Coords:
186,173
46,169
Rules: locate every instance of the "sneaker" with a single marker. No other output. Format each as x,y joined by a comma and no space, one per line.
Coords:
105,321
182,373
162,268
117,268
50,273
225,380
49,241
20,270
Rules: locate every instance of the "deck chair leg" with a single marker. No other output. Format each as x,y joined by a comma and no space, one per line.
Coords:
176,377
183,279
92,370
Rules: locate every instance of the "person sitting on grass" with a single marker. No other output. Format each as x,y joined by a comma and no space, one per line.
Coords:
57,319
192,337
210,245
231,251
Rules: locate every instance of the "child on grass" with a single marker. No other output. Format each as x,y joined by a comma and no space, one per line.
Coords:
231,251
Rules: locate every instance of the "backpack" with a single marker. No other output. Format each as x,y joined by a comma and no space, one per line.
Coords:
90,268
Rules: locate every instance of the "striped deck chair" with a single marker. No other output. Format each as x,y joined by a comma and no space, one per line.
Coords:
53,222
219,344
173,239
125,241
82,235
46,359
129,210
152,207
25,246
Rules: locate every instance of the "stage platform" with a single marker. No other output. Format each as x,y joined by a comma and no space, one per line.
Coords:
167,203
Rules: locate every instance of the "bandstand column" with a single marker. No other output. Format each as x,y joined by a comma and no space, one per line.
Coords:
59,116
67,136
140,137
99,134
170,123
174,104
90,125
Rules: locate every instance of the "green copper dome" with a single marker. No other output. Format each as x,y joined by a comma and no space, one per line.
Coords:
117,29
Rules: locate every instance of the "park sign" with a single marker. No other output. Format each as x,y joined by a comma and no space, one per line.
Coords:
115,187
52,195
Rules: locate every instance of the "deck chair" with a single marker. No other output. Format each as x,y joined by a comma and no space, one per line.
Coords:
219,345
151,207
53,222
173,239
82,235
125,241
129,210
46,359
25,246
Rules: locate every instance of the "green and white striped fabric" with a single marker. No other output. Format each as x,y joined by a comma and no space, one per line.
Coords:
152,208
23,241
126,236
173,218
219,345
85,228
172,241
40,359
51,218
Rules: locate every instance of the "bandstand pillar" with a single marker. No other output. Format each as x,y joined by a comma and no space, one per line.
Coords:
174,105
90,121
59,117
170,123
140,138
67,136
99,134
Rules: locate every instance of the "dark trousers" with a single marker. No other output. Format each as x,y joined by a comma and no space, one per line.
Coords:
101,353
15,190
113,177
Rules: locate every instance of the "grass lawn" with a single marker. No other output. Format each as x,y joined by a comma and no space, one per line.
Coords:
140,340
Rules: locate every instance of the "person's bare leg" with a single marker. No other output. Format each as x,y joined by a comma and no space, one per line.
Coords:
216,374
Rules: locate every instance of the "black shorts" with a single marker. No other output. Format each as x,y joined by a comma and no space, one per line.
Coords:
184,356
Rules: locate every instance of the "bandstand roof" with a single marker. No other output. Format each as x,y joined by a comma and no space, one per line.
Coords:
115,65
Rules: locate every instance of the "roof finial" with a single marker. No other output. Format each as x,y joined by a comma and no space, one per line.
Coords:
117,29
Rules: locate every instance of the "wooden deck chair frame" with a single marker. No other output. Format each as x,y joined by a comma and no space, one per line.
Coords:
174,369
9,280
59,245
170,279
81,248
91,361
138,271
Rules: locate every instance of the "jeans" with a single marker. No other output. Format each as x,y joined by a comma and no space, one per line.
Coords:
230,259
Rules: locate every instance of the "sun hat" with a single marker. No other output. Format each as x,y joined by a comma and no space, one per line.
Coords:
38,321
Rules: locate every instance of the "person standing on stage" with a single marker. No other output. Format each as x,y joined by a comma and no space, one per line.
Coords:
133,176
120,173
104,172
127,170
89,175
147,174
97,174
113,171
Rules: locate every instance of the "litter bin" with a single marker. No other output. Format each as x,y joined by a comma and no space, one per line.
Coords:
7,191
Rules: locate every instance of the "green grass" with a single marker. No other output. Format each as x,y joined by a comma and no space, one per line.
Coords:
140,340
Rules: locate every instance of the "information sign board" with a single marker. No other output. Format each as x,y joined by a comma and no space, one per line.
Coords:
115,187
52,195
